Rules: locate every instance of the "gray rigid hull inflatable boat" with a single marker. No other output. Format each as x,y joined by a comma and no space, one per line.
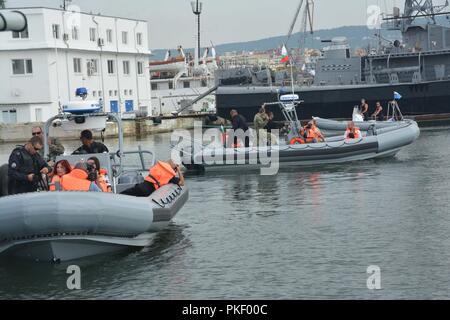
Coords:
61,226
394,116
341,126
384,143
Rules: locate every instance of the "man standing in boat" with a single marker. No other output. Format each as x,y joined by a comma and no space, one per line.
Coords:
260,122
378,114
26,167
89,145
364,109
239,123
55,147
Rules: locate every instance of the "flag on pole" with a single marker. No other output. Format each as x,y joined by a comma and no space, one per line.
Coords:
284,55
397,96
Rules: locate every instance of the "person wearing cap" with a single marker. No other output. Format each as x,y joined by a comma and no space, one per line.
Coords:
161,174
89,145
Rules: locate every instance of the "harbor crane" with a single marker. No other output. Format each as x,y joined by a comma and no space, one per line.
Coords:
307,18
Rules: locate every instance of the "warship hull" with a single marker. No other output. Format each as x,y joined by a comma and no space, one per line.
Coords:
422,101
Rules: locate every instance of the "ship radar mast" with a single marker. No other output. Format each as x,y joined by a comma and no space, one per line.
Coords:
422,9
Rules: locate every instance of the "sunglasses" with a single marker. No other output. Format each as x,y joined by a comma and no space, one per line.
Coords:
36,133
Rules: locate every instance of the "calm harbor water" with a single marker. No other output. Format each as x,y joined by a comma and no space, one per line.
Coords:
303,234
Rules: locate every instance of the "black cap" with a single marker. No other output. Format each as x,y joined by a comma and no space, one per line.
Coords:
86,134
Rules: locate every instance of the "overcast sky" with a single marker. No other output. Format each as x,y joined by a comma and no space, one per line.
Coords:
172,23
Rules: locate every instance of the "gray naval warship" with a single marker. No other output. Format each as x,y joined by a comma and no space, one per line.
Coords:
417,66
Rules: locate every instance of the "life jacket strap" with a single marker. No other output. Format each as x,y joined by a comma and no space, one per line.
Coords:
154,179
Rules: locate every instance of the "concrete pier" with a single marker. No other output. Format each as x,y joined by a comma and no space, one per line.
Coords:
137,127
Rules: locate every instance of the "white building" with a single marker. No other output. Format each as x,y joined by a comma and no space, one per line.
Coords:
64,50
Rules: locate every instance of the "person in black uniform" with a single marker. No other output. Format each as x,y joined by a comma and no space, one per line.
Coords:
26,166
89,145
239,122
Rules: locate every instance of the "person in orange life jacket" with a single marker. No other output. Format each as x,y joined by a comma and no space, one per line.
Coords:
78,180
312,133
316,132
161,174
352,131
61,169
102,180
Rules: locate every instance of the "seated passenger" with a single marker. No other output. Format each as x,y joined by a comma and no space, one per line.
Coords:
61,168
352,131
102,180
312,133
77,180
89,145
161,174
317,132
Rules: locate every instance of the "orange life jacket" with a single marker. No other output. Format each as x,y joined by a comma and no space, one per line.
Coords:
313,133
160,174
77,180
55,185
356,131
297,141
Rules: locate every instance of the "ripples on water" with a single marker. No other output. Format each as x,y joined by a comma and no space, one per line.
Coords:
306,233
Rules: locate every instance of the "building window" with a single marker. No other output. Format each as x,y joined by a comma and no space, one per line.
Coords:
93,34
22,66
77,65
140,67
170,85
100,93
109,36
125,37
75,33
21,35
94,93
126,67
204,83
111,67
131,92
154,86
9,116
56,31
38,114
110,93
125,92
92,66
186,84
139,39
116,93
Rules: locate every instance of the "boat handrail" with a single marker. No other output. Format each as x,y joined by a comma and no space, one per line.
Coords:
73,117
141,154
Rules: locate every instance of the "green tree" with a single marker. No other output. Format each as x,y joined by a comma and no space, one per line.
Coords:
2,4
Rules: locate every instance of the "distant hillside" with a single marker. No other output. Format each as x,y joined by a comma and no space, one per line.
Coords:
358,36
